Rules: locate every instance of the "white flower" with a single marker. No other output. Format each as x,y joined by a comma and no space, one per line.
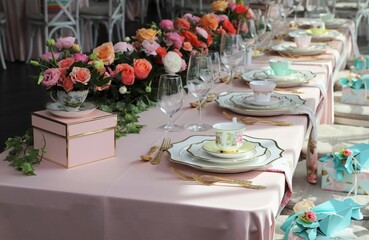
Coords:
172,62
127,39
122,90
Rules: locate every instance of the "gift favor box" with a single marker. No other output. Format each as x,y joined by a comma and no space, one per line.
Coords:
355,96
330,182
75,142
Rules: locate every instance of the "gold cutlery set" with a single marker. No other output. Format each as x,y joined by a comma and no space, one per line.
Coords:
165,145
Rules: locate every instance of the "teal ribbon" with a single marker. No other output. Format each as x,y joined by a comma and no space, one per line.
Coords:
342,164
355,83
305,230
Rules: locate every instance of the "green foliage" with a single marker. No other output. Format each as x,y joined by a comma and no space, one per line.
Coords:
22,156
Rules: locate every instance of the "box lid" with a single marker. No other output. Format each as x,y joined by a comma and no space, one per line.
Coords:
94,122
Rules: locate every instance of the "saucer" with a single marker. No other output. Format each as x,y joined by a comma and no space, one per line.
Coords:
211,148
269,74
273,101
57,109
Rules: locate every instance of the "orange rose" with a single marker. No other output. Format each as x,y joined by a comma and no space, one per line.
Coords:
228,26
128,73
66,63
240,8
142,68
210,21
182,24
67,84
105,53
162,52
219,6
192,38
81,75
187,46
145,34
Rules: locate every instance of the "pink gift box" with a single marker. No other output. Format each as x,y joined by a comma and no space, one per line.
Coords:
355,96
75,142
329,181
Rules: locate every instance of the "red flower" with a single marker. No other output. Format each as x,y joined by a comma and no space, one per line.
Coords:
181,23
162,52
240,8
228,26
192,38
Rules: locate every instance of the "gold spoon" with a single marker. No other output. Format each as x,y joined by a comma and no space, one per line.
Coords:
147,157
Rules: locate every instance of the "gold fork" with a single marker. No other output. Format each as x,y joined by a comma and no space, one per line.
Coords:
165,145
209,180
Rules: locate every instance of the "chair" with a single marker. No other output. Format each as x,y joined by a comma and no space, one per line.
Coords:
109,13
193,6
57,15
2,38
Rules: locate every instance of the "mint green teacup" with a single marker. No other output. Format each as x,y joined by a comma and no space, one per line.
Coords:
280,66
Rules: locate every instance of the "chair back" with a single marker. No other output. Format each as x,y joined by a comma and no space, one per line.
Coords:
116,8
61,12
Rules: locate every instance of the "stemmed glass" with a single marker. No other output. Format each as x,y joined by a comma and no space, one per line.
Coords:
170,99
199,82
247,31
231,53
215,61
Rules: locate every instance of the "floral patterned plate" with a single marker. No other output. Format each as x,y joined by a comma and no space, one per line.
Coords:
57,109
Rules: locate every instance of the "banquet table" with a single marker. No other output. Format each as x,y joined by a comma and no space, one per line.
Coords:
127,198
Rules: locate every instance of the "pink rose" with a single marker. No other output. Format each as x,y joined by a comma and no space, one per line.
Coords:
184,65
310,216
202,32
80,57
191,18
222,17
150,46
66,63
127,73
51,77
82,75
142,68
347,152
48,56
232,5
65,43
123,47
174,39
166,24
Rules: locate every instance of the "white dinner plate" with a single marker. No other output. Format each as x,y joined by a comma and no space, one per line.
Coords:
302,77
285,104
57,109
273,101
329,35
198,151
179,154
291,49
224,101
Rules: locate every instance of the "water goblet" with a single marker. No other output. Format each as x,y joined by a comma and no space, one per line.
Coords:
247,31
231,53
199,82
170,99
215,61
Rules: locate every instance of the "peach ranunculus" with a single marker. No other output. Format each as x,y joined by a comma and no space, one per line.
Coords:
210,21
187,46
127,73
105,52
81,75
145,34
219,5
142,68
66,63
182,24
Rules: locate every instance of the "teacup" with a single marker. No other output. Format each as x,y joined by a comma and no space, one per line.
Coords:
228,136
262,90
280,66
302,41
326,17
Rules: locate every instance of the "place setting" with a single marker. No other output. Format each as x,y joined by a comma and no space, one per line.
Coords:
280,73
229,150
328,18
301,47
262,101
318,32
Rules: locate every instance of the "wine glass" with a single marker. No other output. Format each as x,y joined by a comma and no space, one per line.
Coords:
247,31
215,61
231,53
199,82
170,99
287,6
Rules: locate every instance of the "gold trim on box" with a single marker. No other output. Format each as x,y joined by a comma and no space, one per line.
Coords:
68,166
78,135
